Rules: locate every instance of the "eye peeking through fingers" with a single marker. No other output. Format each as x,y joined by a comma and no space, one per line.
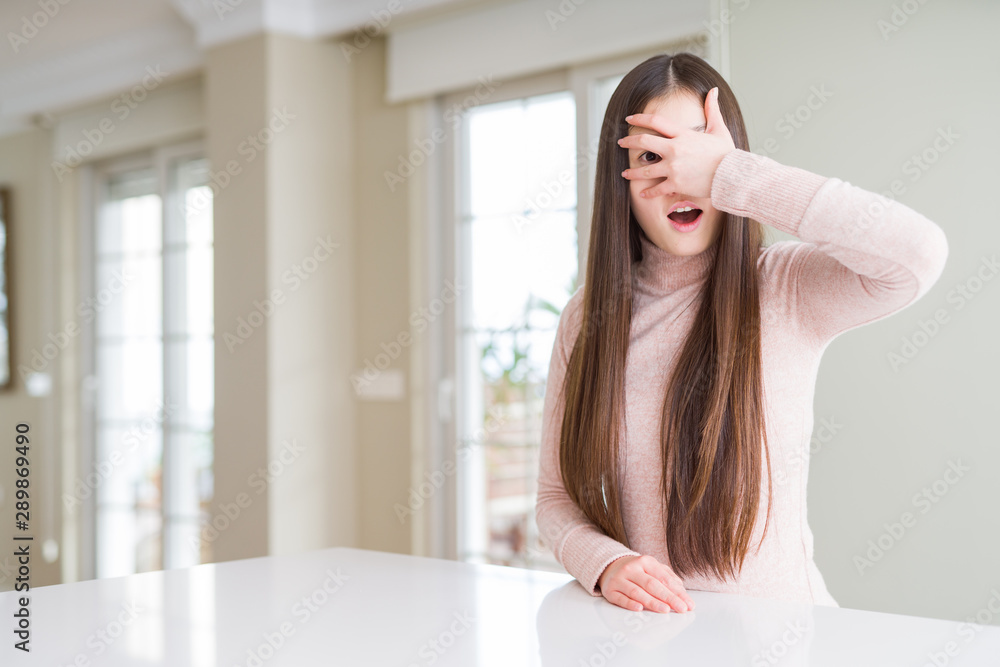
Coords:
642,156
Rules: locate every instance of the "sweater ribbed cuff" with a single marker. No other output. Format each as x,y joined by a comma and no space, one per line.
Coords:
762,189
587,559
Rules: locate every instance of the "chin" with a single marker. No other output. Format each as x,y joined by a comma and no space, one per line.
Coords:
698,239
690,247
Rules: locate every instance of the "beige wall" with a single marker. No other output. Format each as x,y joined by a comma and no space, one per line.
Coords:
311,349
288,382
322,179
897,429
34,253
236,106
382,305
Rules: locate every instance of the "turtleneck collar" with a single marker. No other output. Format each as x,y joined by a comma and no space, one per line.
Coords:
662,272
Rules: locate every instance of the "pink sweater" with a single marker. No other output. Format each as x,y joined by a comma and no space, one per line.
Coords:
861,258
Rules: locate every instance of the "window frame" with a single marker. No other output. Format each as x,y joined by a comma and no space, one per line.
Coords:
93,182
444,532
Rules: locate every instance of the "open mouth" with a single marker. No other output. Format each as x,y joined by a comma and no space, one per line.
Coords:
685,216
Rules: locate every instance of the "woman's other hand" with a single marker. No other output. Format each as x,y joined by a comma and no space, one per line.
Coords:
637,582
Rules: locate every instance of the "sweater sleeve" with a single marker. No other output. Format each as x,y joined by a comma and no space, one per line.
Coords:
577,543
864,256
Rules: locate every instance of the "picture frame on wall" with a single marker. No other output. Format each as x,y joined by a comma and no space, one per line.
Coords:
5,337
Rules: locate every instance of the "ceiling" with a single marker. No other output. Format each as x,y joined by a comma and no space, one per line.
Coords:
87,50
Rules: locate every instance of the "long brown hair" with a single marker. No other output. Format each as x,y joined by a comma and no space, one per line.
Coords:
712,422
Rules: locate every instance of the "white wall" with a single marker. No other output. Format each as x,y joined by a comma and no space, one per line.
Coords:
900,428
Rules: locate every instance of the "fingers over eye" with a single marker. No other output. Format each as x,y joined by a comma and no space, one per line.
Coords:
639,173
638,140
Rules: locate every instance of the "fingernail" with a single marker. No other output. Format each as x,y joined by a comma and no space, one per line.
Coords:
628,117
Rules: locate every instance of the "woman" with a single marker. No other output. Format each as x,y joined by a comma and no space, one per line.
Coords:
696,348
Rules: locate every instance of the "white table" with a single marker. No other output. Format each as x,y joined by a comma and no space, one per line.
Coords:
368,608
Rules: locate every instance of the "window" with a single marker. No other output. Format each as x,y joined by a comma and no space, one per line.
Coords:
521,177
151,362
519,231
